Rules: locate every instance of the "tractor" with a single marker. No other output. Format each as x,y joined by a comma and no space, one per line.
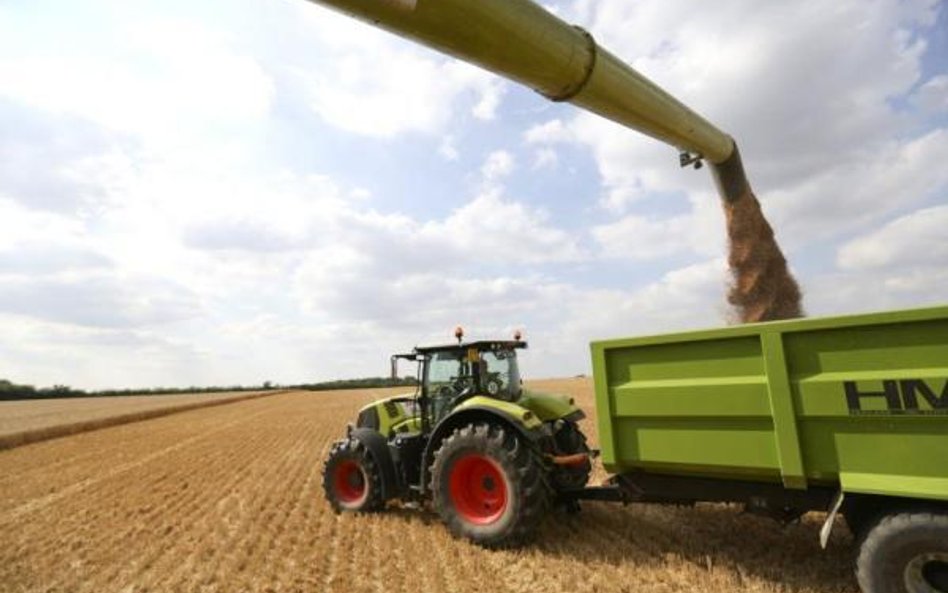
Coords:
490,457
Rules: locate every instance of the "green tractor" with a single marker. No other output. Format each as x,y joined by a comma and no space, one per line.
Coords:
490,457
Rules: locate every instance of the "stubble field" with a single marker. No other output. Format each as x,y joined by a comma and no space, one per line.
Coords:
26,421
229,498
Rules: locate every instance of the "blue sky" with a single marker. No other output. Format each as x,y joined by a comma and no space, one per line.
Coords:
235,192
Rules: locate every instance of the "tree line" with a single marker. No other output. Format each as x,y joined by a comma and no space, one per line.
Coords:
13,391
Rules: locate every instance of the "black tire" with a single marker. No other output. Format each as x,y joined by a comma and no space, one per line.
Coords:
489,486
569,440
905,553
352,480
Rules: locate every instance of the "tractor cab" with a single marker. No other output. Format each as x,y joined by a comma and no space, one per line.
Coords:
453,373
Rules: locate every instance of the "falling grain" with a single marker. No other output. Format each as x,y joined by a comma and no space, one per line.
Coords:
763,288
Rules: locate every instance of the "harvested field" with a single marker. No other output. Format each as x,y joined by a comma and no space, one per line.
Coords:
228,498
23,422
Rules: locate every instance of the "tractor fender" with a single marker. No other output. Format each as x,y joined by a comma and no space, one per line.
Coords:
470,414
549,407
378,448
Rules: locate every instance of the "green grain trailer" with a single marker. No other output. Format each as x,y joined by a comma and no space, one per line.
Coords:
839,414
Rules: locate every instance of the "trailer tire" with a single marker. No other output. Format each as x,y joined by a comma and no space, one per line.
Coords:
905,552
488,485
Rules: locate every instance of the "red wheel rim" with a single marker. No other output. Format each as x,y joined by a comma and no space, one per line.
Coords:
478,489
349,482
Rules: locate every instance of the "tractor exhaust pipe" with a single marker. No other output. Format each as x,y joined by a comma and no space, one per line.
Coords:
573,459
522,41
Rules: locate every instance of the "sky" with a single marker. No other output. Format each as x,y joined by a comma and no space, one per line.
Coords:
219,193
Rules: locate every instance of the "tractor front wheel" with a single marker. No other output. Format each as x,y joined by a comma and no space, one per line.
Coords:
351,478
488,486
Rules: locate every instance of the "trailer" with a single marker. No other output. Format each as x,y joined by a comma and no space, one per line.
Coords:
838,414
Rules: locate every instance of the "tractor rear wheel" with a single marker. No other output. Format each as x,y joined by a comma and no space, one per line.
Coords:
488,485
351,478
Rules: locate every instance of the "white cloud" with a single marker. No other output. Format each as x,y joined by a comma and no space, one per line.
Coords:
448,149
20,224
491,94
504,230
932,96
99,300
41,258
548,133
393,92
636,237
700,231
497,165
691,296
58,163
850,195
857,291
389,265
38,352
570,316
632,167
373,84
150,86
545,158
916,239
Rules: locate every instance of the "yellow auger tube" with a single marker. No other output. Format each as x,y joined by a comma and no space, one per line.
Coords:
521,41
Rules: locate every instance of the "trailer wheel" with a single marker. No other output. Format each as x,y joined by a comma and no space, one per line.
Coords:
488,486
352,480
905,553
